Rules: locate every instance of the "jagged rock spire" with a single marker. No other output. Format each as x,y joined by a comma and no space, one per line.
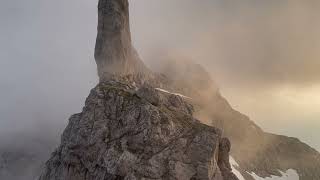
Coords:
114,53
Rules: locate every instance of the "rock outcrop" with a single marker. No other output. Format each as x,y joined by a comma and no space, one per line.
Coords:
114,52
224,161
130,129
129,132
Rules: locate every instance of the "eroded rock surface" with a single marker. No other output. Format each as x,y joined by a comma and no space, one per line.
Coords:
129,132
114,52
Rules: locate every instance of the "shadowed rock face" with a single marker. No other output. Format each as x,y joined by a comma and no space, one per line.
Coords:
114,53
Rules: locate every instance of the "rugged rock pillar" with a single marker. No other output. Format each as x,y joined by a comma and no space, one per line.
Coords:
114,53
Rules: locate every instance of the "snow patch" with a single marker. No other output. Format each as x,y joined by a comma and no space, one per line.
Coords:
234,166
177,94
288,175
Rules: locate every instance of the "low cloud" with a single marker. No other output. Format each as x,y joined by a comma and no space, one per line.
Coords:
251,43
251,47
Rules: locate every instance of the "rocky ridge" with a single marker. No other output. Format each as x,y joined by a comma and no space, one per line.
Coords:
255,150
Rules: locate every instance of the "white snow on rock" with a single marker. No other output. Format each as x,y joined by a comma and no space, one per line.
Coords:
177,94
288,175
234,165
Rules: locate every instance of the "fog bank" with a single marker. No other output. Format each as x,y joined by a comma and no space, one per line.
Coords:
263,54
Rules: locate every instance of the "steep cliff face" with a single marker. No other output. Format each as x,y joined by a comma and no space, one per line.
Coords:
130,132
114,52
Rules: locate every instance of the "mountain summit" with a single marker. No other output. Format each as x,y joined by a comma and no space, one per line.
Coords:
131,128
114,52
138,124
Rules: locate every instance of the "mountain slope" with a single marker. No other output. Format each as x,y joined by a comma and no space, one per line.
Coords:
255,151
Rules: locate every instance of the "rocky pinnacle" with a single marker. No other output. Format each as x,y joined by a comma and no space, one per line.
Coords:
130,130
114,53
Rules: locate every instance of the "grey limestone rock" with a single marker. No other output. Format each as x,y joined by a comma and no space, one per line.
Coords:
114,52
123,134
129,129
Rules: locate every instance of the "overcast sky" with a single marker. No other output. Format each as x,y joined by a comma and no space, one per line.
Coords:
265,56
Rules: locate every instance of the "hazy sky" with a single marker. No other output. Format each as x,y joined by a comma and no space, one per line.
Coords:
264,54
